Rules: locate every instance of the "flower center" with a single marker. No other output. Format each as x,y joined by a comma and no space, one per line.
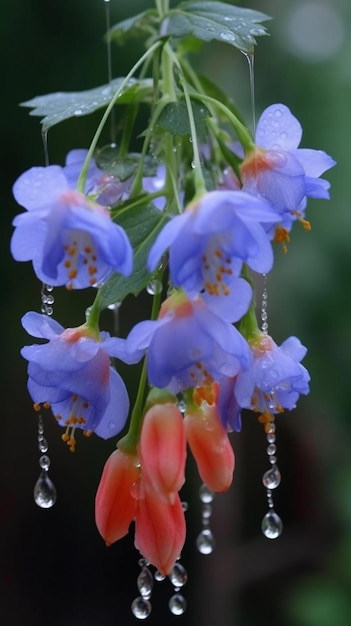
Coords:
216,268
80,255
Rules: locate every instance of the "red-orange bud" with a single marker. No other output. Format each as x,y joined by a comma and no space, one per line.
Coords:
115,502
160,530
210,446
162,450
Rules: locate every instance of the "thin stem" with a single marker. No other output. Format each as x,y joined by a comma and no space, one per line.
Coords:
242,132
84,171
130,441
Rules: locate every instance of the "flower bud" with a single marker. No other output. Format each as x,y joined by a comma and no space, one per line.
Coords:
210,446
159,530
162,450
115,502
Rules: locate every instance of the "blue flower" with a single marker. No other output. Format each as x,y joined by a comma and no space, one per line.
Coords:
276,377
70,239
72,373
208,244
279,171
188,346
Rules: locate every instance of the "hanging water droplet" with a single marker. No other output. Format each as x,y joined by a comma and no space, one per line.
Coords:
206,511
158,576
178,575
141,608
185,506
271,479
42,444
154,287
44,492
78,112
272,525
205,542
271,449
206,495
44,462
177,604
145,583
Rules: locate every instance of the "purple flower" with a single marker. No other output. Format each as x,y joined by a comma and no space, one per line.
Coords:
154,184
188,346
228,407
106,189
71,240
276,377
208,244
279,171
72,373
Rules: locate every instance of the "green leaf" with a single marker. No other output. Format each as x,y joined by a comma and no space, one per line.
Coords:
175,119
136,26
216,20
142,224
122,168
57,107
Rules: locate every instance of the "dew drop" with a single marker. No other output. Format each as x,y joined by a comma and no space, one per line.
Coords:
154,287
44,492
205,542
141,608
271,479
185,506
227,36
178,575
44,462
206,495
42,444
206,511
158,576
177,604
271,449
145,583
272,525
78,112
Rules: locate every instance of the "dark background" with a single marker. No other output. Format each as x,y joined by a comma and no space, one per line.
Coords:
54,567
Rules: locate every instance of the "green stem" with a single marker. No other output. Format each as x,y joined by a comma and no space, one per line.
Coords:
84,170
199,181
93,317
130,441
242,132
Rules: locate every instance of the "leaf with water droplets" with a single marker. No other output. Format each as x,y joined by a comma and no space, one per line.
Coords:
216,20
142,223
175,119
136,26
57,107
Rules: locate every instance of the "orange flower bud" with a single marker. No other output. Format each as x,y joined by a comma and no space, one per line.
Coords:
162,450
159,530
115,502
210,446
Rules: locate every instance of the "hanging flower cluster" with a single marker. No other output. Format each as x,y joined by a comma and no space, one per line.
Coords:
195,222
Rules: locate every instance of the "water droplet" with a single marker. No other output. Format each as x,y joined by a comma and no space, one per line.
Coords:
141,608
205,542
177,604
158,576
44,492
227,36
145,583
206,511
206,495
185,506
154,287
193,165
78,112
272,459
178,575
271,449
272,525
44,462
42,444
271,479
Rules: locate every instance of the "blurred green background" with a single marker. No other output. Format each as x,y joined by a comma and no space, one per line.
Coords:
54,567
